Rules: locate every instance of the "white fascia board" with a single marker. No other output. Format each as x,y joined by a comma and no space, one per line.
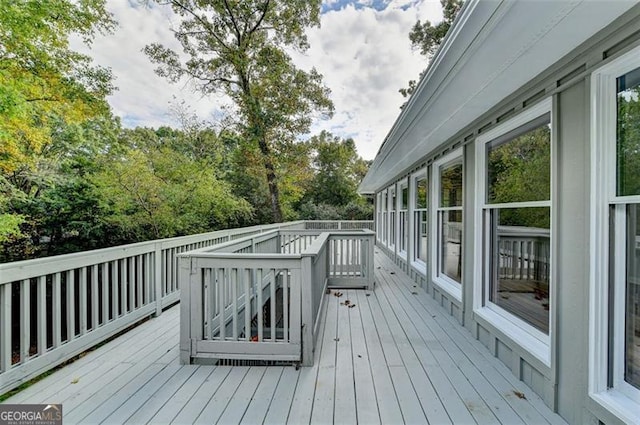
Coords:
496,50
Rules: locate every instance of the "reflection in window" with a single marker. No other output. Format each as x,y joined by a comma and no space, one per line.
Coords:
420,220
519,164
632,297
628,134
520,263
451,186
451,247
403,219
449,216
628,184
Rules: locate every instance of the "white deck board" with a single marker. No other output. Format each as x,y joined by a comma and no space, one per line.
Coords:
396,357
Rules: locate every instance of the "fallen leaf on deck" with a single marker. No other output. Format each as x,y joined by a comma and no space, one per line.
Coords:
519,394
336,339
75,380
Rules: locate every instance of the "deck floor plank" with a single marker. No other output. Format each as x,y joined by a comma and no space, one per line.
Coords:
192,409
366,403
493,372
263,397
325,385
221,398
163,406
345,410
460,400
239,403
386,397
126,344
166,381
278,410
396,357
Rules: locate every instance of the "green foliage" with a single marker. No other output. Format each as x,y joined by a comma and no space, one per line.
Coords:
237,48
157,191
43,82
520,171
427,37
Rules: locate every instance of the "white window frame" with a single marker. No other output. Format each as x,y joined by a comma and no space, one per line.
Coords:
392,217
622,400
531,339
417,263
440,279
402,231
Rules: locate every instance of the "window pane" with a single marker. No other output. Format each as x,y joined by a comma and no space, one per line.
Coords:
393,201
405,197
420,236
632,308
519,164
520,263
421,193
451,186
451,249
628,134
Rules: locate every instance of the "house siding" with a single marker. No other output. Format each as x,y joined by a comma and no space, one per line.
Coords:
564,384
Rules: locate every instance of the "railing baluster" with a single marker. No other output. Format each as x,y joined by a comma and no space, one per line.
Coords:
5,336
259,304
272,305
25,319
246,280
95,297
71,305
131,263
213,307
56,315
105,292
83,301
114,290
124,293
220,283
139,280
41,294
233,273
285,305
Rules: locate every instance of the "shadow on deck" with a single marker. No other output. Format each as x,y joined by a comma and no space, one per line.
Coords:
394,357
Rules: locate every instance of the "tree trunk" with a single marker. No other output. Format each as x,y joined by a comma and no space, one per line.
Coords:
271,180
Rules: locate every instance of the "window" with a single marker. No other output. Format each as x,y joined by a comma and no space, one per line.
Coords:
514,189
392,217
448,200
384,205
419,193
379,216
403,223
614,352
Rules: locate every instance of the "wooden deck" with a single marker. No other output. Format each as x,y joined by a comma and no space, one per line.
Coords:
396,357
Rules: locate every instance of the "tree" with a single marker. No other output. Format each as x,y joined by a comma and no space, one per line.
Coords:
154,190
46,90
333,191
237,47
427,37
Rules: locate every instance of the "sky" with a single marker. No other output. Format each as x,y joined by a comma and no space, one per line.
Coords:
362,49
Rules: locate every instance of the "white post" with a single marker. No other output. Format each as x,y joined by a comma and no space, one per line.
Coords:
185,314
306,287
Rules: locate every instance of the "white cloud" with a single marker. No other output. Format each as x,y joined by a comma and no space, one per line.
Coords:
364,55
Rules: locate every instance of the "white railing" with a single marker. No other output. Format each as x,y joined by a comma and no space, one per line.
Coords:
524,253
52,309
339,225
239,303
